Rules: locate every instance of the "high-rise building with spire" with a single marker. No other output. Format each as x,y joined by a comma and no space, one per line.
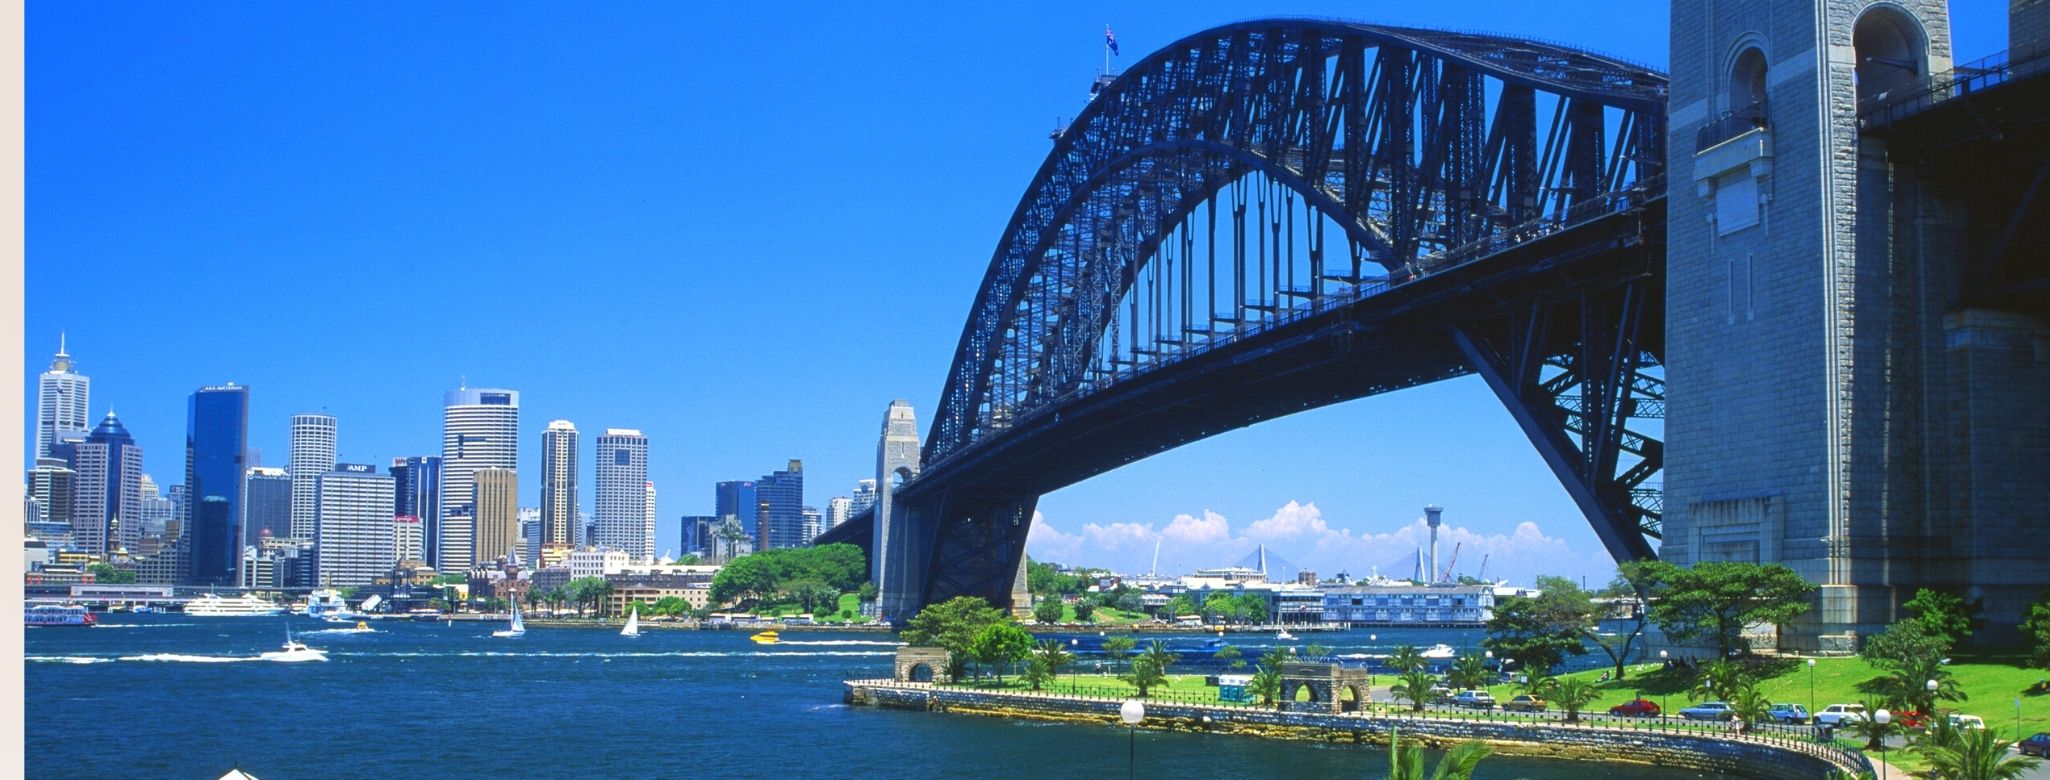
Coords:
313,454
559,483
479,430
622,475
61,398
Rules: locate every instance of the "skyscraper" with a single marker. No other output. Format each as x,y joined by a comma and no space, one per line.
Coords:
864,497
559,483
813,523
458,540
649,518
156,508
270,504
216,437
781,497
53,485
417,483
313,454
61,397
838,509
106,511
479,430
622,502
497,513
737,500
353,533
406,538
697,533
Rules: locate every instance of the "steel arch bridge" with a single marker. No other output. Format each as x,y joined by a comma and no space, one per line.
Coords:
1276,215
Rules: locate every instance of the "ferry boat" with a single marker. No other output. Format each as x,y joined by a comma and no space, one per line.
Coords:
327,603
211,605
53,615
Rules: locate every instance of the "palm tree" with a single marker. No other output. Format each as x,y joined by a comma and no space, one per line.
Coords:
1406,762
1749,703
1574,693
1414,686
1266,684
1871,729
1117,648
1145,675
1979,755
1537,684
1157,654
1049,656
1470,671
1407,657
1719,680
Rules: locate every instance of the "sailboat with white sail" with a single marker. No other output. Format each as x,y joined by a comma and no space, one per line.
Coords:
633,623
516,628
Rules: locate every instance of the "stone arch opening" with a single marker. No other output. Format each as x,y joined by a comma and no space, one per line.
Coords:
1746,87
919,673
1350,698
1891,53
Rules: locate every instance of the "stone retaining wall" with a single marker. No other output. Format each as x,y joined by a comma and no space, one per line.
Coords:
1722,754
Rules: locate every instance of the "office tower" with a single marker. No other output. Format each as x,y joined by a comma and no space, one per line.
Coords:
352,525
53,486
61,399
106,510
496,514
864,497
417,484
697,533
313,454
216,436
530,533
157,510
458,540
737,500
781,497
181,505
407,539
650,518
622,502
813,522
838,509
559,483
479,430
270,504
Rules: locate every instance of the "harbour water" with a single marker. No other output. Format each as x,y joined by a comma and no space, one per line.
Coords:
170,696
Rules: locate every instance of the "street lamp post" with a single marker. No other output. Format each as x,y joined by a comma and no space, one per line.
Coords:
1882,718
1663,697
1811,686
1931,709
1131,712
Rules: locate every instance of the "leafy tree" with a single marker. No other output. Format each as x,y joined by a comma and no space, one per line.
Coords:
1181,605
2036,627
1625,586
1414,686
952,624
999,645
1946,614
811,593
1314,650
1130,600
1232,656
1470,671
109,574
1905,642
742,579
1118,647
1977,755
1719,681
1085,610
449,579
1909,654
1716,599
1406,761
1266,684
1049,610
1048,658
1218,605
1574,693
1542,630
867,592
1043,579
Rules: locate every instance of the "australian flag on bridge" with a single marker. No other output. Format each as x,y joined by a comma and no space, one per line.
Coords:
1110,39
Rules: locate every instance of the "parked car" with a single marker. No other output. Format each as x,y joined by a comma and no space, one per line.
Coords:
1481,700
1439,695
2038,745
1966,722
1787,713
1708,710
1525,702
1636,708
1840,714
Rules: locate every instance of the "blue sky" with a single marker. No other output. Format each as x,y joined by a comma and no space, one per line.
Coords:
743,230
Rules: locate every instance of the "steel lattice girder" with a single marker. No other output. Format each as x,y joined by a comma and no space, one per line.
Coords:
1384,128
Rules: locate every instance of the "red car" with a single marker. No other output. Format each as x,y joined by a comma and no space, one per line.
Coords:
1636,708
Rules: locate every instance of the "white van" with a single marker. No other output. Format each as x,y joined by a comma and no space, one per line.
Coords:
1840,714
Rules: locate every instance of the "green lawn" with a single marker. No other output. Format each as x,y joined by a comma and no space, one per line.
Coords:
1106,616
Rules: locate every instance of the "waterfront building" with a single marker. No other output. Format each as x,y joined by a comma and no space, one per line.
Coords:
353,534
596,562
1409,605
631,588
106,508
812,522
61,399
216,446
270,503
416,483
737,500
479,430
458,540
838,509
781,497
864,497
496,515
313,454
53,486
559,483
622,501
408,540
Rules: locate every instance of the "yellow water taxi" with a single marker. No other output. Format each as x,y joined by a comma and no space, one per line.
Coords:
765,637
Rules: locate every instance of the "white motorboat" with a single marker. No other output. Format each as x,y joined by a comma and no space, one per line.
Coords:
293,651
1284,635
515,628
212,605
1440,653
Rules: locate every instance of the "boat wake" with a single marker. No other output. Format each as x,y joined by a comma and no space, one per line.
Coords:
339,631
68,659
143,625
836,642
154,657
676,654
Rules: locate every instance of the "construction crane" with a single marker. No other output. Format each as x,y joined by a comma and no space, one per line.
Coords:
1447,575
1484,566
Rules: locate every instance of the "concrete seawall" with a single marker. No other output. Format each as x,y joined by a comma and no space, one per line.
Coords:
1750,757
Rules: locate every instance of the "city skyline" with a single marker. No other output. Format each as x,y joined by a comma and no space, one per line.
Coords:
877,322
